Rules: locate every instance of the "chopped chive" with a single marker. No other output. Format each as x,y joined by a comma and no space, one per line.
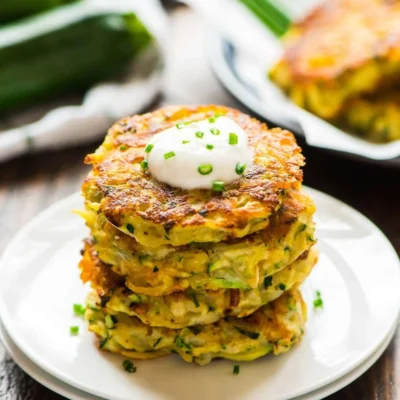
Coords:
187,123
282,286
144,164
79,309
157,342
194,298
185,141
236,369
170,154
148,148
205,169
180,126
211,120
209,146
199,134
251,335
130,228
123,147
240,168
129,366
74,330
318,303
103,342
181,343
215,131
218,186
267,282
233,138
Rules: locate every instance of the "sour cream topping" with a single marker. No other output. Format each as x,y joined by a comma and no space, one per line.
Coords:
206,154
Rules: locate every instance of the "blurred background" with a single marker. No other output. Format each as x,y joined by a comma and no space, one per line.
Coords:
69,69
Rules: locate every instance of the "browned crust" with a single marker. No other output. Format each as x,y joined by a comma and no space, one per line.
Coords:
342,35
126,189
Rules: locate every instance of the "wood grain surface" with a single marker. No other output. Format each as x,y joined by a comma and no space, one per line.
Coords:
30,184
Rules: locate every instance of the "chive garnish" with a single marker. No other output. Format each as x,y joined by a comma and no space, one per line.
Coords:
148,148
180,126
169,155
199,134
180,343
215,131
267,282
194,298
144,164
233,138
282,286
103,342
185,141
74,330
130,228
236,369
123,147
251,335
240,168
205,169
79,309
129,366
157,341
318,302
209,146
218,186
212,120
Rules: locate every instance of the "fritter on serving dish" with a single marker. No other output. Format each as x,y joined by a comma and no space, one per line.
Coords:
156,214
274,328
375,117
342,50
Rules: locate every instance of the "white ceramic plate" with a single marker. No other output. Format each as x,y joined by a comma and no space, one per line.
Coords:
75,394
38,374
243,74
358,275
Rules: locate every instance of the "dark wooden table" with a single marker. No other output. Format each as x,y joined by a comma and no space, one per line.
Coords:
31,183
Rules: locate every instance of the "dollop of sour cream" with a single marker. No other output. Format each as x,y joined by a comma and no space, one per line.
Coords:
205,154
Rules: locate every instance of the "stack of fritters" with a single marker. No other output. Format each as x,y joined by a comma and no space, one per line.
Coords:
198,273
341,61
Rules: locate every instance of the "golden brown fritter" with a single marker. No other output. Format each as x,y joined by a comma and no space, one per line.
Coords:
342,49
191,307
157,214
274,328
238,263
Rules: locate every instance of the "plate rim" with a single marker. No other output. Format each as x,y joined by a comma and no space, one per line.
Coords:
316,395
18,340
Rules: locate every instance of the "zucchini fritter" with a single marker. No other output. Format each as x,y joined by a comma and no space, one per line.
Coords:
156,214
375,117
341,50
274,328
237,264
189,307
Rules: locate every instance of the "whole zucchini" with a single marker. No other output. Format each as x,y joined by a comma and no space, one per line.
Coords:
14,9
65,50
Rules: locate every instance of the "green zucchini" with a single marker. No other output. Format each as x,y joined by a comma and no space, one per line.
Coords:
65,50
11,10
